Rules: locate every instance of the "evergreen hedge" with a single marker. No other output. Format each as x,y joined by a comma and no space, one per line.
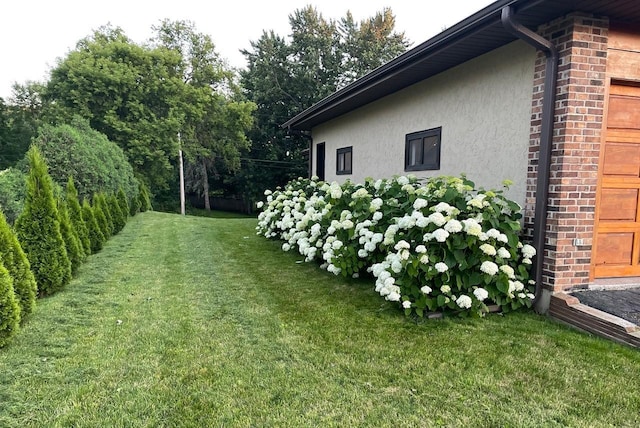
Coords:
9,308
16,262
101,201
94,231
101,219
119,219
123,204
75,214
38,229
71,241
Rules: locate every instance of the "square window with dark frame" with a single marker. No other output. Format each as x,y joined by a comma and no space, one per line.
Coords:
344,159
422,150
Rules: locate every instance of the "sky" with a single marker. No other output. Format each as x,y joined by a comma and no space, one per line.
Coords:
35,33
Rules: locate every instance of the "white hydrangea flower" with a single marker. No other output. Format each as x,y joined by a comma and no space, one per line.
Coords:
422,222
362,253
421,249
393,297
531,296
445,289
260,204
347,224
267,192
488,249
472,227
337,244
441,235
420,203
489,268
424,259
377,216
426,289
438,219
286,246
402,244
402,180
528,251
481,294
504,253
464,302
508,270
493,233
406,304
441,267
360,193
453,226
503,238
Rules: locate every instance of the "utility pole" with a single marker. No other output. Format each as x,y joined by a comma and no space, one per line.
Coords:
182,204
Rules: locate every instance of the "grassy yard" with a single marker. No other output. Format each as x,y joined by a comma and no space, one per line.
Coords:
197,322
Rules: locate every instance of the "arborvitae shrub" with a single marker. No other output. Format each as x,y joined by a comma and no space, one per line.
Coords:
38,229
119,220
75,214
9,308
134,205
123,204
98,213
106,209
16,262
96,237
71,242
144,197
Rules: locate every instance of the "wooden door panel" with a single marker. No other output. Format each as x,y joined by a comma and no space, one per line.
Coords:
621,159
616,250
618,205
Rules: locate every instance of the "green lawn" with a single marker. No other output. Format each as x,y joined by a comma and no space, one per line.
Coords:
197,322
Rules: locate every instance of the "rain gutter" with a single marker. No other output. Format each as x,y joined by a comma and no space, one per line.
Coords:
546,137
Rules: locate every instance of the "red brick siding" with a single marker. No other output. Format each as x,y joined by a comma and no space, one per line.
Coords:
582,46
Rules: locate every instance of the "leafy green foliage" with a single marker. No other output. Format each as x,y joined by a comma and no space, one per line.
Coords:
123,204
144,198
442,245
16,262
38,229
19,121
119,219
12,193
95,163
74,248
101,217
129,93
94,230
75,214
100,200
286,76
9,308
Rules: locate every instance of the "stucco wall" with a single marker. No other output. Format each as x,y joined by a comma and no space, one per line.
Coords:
483,107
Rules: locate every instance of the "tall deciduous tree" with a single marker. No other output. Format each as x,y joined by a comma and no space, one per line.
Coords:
126,91
286,76
215,117
38,229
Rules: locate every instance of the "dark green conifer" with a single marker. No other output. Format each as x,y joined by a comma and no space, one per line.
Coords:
38,229
16,262
9,308
75,214
123,204
75,252
101,218
96,237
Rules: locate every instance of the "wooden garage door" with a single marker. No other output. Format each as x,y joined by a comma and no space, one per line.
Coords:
617,243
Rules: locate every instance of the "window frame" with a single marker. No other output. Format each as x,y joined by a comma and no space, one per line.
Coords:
344,151
424,164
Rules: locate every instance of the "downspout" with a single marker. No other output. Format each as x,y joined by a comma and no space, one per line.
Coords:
546,138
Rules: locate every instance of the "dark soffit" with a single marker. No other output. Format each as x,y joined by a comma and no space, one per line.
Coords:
476,35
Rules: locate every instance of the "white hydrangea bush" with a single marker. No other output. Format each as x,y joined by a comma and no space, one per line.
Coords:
441,245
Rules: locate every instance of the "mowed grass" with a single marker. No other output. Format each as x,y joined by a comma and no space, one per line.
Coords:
197,322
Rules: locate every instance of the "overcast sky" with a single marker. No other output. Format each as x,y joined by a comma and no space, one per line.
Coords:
34,33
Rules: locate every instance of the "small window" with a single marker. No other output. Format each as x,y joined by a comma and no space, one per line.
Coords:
422,150
343,160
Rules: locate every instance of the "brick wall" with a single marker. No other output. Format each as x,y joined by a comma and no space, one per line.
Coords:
581,41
